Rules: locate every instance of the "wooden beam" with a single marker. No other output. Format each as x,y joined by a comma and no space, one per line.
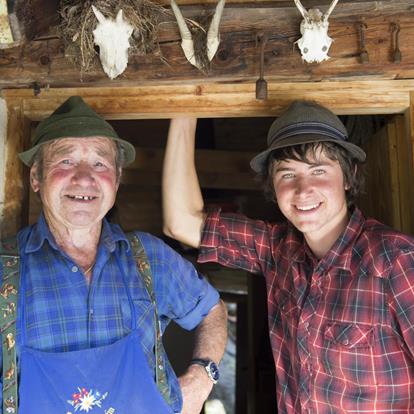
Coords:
43,61
15,202
216,100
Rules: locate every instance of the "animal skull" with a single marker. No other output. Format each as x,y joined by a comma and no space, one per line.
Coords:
213,35
315,42
112,37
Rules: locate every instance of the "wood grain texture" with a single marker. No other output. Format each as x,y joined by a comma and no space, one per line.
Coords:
43,60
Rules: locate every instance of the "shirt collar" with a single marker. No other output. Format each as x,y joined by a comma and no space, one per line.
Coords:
340,255
111,234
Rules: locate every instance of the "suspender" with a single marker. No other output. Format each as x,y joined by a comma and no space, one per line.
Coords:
9,259
144,270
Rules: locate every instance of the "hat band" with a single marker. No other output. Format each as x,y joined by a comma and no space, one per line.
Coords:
308,128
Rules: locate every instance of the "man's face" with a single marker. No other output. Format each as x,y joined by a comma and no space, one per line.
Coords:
79,181
312,196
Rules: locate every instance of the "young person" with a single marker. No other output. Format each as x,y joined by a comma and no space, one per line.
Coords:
339,286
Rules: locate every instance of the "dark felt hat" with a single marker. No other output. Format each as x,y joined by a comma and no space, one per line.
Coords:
74,119
304,122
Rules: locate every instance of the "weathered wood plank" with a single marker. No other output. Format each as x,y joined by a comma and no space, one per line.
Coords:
14,214
222,99
405,173
237,59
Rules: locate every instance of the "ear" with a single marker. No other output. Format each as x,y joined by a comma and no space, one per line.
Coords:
99,15
34,181
347,185
118,181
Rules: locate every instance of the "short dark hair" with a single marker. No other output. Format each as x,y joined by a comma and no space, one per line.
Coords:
350,166
119,159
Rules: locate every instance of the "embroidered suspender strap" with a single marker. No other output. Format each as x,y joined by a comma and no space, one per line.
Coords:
9,259
144,270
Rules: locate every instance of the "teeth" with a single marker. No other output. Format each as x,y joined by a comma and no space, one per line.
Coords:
79,197
307,208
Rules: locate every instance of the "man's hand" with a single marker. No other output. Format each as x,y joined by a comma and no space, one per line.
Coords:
195,387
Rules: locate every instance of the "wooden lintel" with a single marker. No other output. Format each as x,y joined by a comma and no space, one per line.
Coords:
221,99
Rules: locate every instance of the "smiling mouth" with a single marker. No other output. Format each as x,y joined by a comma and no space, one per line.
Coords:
81,197
308,208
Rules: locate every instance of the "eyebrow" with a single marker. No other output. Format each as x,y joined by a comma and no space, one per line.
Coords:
310,166
66,149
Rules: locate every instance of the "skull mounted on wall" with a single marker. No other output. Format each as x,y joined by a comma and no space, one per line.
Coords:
112,37
315,42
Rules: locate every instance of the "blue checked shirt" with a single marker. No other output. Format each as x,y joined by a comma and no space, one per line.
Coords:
64,314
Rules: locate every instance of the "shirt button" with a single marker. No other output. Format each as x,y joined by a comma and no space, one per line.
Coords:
74,269
306,325
345,342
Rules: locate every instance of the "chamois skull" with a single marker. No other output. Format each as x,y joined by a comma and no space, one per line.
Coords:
112,37
315,42
187,42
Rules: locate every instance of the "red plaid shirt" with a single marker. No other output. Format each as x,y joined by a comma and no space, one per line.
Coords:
342,328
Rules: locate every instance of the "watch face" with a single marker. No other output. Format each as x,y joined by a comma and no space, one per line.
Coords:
214,371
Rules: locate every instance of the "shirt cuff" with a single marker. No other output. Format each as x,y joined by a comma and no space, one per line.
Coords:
207,300
210,238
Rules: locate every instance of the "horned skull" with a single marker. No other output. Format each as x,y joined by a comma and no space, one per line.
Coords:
187,42
315,42
112,37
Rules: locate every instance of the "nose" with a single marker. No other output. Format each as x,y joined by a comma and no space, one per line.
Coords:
83,174
303,185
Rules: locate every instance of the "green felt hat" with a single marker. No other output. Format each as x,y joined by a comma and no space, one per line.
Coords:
74,119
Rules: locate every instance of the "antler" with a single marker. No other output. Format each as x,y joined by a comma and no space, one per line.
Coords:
302,10
213,37
330,10
187,43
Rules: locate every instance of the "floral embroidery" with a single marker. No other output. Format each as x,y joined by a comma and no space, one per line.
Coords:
85,400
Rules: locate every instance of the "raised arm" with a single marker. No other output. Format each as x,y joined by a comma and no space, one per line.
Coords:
182,200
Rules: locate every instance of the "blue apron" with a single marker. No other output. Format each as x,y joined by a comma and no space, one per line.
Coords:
111,379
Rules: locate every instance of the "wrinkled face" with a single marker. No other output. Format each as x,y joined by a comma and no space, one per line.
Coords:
315,43
312,196
112,37
79,181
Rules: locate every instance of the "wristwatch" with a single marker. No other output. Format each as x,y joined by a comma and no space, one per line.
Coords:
210,367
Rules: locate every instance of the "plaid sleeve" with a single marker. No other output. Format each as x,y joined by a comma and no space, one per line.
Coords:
182,293
402,296
235,241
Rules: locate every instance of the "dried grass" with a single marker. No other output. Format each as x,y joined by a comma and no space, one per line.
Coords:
78,22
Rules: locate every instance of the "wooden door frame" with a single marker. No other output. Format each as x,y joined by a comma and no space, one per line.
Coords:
159,102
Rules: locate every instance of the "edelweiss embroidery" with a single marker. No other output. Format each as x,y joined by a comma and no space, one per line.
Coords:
85,400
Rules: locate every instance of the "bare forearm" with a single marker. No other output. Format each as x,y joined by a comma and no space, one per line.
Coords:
211,334
182,200
210,342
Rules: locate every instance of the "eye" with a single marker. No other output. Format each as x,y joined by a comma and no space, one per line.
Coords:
318,171
288,176
66,162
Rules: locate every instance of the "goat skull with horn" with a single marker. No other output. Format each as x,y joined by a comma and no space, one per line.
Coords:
112,37
199,58
315,42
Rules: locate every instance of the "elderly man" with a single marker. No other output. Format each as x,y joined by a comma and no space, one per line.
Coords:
93,301
339,286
